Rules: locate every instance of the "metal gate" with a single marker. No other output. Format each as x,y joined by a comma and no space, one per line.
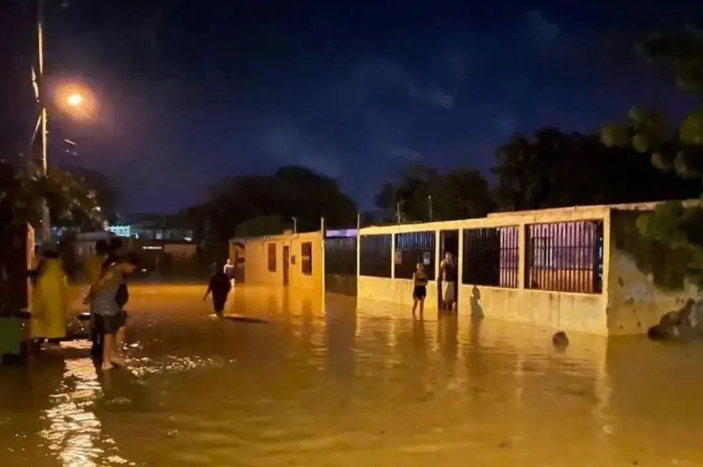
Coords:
340,264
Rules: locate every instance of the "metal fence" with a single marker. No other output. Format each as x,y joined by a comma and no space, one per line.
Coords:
340,256
340,265
491,256
414,248
565,257
376,253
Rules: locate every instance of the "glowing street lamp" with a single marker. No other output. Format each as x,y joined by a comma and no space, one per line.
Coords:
75,99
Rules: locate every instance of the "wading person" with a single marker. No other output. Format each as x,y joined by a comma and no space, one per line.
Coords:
94,270
448,289
420,289
50,299
110,317
122,295
219,286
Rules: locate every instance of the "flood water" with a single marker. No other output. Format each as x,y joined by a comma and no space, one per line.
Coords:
347,384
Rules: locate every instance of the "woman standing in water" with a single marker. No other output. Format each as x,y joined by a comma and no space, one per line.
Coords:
419,289
50,299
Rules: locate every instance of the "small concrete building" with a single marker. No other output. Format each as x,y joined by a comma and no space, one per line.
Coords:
290,260
574,269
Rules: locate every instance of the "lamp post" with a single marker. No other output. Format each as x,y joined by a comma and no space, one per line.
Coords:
71,97
40,90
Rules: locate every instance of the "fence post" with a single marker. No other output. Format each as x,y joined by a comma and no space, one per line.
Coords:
393,248
358,252
323,270
522,257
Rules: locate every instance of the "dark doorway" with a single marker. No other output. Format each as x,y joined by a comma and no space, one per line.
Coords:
286,265
449,243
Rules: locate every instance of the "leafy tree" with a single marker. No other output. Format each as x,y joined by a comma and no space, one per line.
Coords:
459,194
262,225
291,192
71,202
557,169
673,148
106,192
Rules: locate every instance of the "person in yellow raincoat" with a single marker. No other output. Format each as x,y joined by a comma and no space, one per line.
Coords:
50,299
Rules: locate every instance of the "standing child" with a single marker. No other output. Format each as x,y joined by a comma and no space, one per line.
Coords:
219,286
420,289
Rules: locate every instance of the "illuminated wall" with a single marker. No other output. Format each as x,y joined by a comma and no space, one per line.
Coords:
265,263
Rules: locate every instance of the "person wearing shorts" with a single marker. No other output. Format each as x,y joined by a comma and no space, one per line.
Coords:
109,316
419,289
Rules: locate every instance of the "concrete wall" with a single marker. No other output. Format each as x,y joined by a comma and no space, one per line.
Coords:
257,254
560,310
646,280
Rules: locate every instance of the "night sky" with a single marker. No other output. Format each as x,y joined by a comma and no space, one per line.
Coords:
192,91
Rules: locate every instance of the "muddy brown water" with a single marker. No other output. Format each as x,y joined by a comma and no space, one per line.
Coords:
347,384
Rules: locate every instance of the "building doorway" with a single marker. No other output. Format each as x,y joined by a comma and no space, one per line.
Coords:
286,265
449,243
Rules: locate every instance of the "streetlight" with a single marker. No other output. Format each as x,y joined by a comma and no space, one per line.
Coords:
76,99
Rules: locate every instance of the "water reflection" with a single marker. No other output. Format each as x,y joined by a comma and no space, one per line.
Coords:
74,433
340,382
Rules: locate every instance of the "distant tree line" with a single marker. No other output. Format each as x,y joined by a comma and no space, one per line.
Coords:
645,158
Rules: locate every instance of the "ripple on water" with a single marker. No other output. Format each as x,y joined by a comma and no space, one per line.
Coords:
336,384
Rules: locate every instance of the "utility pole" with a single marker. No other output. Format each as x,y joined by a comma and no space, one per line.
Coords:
429,202
41,97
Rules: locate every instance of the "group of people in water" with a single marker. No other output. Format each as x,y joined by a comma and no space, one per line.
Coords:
446,285
107,271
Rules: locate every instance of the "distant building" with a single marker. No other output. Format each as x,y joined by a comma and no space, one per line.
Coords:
153,227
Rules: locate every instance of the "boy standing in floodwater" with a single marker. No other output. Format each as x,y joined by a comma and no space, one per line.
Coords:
219,286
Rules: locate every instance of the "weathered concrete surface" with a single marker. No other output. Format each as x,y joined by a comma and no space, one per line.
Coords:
637,296
257,266
564,311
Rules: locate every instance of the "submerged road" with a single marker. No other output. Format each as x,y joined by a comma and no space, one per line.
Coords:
346,384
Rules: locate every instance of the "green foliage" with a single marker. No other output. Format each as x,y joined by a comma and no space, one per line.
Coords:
691,131
262,225
555,169
615,135
680,54
459,194
291,192
71,202
672,227
640,143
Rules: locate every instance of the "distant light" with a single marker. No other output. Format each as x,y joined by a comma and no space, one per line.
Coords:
75,99
151,247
